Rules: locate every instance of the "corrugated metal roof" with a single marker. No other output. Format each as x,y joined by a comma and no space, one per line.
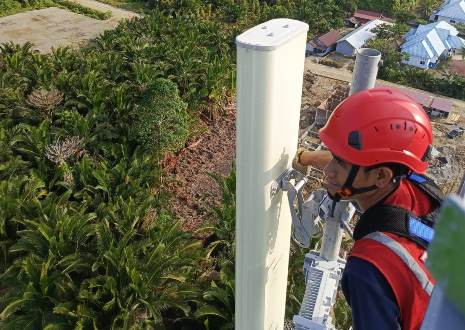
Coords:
422,98
410,33
419,49
358,37
453,9
428,41
441,104
456,42
367,15
436,25
328,39
444,35
426,45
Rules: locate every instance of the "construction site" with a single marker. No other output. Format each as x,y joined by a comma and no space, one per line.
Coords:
321,95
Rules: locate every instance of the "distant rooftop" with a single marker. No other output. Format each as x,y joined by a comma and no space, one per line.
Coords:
365,14
358,37
441,104
328,39
422,98
453,9
370,15
431,40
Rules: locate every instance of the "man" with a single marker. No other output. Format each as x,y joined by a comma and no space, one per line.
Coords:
379,141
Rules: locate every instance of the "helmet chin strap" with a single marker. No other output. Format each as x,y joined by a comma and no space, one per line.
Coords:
347,189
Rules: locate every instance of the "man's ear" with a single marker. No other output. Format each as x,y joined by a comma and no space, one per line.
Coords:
384,176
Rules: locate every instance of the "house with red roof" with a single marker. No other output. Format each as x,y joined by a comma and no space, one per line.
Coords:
440,107
361,17
325,43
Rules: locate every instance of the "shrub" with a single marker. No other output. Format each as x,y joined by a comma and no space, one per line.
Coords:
7,6
161,119
328,62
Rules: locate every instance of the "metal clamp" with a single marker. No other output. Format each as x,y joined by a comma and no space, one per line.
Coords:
301,225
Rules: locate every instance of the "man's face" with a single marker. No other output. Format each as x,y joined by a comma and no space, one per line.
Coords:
337,171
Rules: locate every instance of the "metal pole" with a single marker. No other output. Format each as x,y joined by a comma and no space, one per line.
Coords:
365,70
270,65
332,234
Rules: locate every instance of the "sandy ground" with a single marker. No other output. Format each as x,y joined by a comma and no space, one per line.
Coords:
55,27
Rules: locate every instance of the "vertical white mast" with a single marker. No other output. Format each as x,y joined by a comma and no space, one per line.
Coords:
270,64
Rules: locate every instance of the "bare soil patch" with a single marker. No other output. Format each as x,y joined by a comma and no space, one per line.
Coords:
186,175
54,27
457,67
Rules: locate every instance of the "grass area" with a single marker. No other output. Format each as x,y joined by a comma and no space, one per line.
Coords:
10,7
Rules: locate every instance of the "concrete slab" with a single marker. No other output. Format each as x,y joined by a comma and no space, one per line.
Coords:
55,27
117,14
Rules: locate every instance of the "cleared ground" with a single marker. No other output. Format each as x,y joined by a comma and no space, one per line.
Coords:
55,27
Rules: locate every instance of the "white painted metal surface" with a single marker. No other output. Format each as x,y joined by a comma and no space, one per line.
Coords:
270,63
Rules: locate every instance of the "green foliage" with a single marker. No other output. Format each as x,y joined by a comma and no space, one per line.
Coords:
390,32
386,42
452,86
224,219
216,311
427,7
328,62
95,269
9,6
388,7
342,313
460,28
445,262
295,281
161,118
80,9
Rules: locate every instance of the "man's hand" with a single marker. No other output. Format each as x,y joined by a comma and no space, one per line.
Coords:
305,158
296,164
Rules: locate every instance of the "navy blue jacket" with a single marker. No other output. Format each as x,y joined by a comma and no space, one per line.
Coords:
370,297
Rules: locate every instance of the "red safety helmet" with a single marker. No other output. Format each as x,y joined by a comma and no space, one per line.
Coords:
379,125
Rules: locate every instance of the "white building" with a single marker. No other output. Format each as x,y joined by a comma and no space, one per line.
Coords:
451,11
427,44
349,44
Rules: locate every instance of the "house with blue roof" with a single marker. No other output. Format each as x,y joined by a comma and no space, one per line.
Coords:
425,45
451,11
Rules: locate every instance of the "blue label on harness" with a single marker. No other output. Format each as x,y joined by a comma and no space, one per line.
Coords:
419,229
416,178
